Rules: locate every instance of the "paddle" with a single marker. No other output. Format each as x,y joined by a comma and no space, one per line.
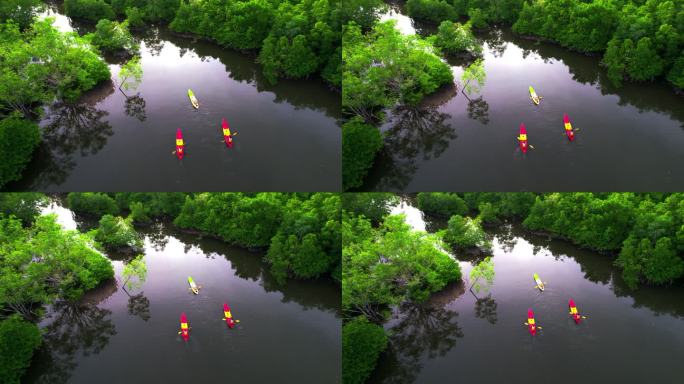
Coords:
189,328
538,326
582,316
235,320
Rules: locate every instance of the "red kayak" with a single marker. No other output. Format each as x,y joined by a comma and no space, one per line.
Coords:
180,145
228,316
523,138
531,325
185,329
568,127
227,136
573,311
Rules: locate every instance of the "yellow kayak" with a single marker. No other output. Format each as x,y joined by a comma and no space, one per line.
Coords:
540,284
193,287
534,97
193,99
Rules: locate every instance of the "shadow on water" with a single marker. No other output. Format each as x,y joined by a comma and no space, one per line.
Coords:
412,133
416,331
72,328
68,129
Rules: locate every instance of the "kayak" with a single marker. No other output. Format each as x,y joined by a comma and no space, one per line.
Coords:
193,99
531,325
533,96
193,286
180,145
540,284
573,311
227,136
522,139
228,316
568,127
185,329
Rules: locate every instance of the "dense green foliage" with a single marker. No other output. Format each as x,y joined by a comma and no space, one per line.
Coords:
578,216
88,10
360,143
38,65
295,38
390,265
362,12
21,12
648,231
642,40
94,204
18,139
453,38
44,262
25,206
308,242
117,233
112,36
18,340
441,204
505,205
135,18
42,64
362,343
300,231
434,11
148,10
383,68
155,204
372,205
480,12
139,214
465,232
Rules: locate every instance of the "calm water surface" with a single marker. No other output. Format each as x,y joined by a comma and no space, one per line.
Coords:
288,138
629,139
116,337
628,336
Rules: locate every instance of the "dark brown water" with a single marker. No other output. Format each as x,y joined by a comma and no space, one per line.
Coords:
628,336
114,337
288,138
629,139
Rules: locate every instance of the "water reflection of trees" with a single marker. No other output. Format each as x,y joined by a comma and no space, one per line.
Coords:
599,268
139,305
320,294
242,67
485,308
412,132
74,328
68,128
134,106
478,110
76,127
495,41
152,39
656,97
421,330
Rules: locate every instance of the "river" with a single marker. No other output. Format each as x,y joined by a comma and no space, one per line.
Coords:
113,336
627,337
287,134
629,138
